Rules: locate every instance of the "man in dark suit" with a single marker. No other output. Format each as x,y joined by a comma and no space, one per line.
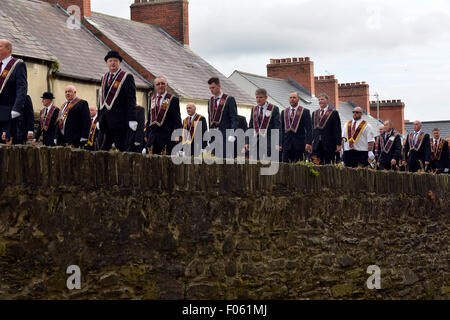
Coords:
418,149
117,114
74,120
13,89
222,114
327,131
194,128
440,162
92,143
48,121
137,137
23,127
264,117
163,119
296,130
389,148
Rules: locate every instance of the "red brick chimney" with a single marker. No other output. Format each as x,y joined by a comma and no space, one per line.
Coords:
357,92
390,110
329,86
171,15
299,69
84,5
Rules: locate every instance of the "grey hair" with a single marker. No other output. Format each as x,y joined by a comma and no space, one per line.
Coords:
261,91
323,95
296,92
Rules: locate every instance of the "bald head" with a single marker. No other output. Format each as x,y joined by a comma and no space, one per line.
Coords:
417,125
357,113
93,111
5,49
191,109
71,92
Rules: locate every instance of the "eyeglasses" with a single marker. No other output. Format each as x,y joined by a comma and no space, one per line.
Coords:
357,112
160,84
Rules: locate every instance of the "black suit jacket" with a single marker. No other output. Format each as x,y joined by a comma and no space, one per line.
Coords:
123,109
297,140
49,135
24,123
229,116
274,124
423,154
14,92
331,135
78,124
162,135
444,162
394,153
242,123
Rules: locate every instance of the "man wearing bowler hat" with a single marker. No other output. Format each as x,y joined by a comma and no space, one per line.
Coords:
117,115
47,121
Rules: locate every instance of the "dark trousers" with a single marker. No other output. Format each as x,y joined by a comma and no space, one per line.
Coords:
294,155
116,136
415,164
325,156
354,158
159,148
5,126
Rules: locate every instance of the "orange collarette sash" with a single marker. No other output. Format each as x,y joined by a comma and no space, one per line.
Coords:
108,98
418,142
436,153
92,132
4,77
159,118
189,131
320,123
215,116
262,130
65,112
353,137
288,126
45,121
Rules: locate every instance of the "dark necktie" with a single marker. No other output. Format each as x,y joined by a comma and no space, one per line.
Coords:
292,114
158,104
321,113
110,79
216,105
190,122
45,113
435,145
353,128
260,117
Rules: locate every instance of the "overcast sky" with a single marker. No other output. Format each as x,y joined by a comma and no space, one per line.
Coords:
400,48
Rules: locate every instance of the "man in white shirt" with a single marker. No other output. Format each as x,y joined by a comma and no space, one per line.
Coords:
359,141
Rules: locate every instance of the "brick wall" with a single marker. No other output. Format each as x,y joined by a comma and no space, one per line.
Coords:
357,92
299,69
390,110
171,15
329,86
85,5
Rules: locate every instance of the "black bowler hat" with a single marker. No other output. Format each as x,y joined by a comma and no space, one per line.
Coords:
113,54
48,95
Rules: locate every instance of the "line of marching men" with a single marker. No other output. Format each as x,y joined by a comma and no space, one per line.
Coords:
118,123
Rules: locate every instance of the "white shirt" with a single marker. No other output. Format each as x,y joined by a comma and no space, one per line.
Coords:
290,110
363,142
163,96
264,108
5,63
218,98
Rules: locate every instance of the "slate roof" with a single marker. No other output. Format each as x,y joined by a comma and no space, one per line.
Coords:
39,30
428,127
161,55
279,90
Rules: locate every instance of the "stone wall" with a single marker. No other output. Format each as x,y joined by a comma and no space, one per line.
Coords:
141,227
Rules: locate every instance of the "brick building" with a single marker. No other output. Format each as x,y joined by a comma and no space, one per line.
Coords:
390,110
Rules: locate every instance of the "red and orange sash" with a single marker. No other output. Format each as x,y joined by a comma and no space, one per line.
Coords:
158,118
189,131
418,142
353,137
4,77
45,121
320,123
386,146
262,130
436,152
65,112
108,98
216,115
288,126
